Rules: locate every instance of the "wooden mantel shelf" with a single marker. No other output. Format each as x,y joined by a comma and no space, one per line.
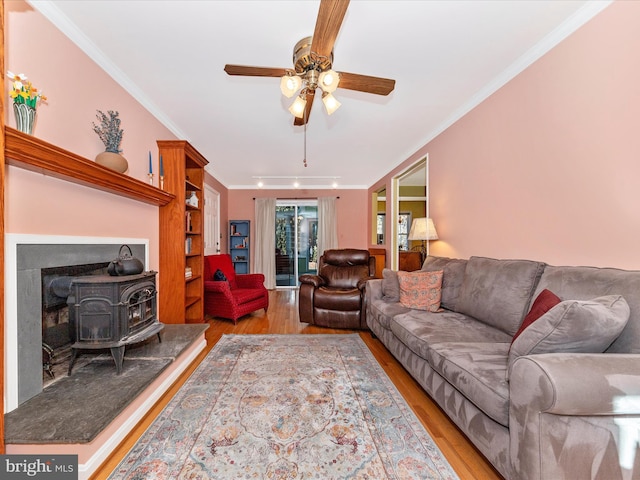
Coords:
31,153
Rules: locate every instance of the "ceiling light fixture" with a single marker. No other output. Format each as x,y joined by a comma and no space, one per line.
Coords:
330,103
298,107
311,71
310,181
290,84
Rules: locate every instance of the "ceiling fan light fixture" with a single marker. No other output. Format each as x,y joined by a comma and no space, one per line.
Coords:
329,80
298,106
290,84
330,103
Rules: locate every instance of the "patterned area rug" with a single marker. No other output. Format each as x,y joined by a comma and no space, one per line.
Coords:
286,407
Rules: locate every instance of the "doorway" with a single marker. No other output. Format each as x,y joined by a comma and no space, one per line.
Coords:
211,221
409,199
296,240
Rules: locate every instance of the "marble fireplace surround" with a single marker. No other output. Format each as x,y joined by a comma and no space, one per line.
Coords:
25,256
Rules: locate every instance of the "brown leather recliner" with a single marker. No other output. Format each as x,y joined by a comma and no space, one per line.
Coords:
335,297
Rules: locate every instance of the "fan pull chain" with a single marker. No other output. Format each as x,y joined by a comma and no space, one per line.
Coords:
304,161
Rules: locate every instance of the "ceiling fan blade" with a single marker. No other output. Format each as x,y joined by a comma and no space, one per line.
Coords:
311,95
365,83
330,16
248,71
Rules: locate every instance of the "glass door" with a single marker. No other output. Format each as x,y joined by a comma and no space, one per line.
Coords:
296,240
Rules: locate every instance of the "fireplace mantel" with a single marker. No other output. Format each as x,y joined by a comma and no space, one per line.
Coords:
31,153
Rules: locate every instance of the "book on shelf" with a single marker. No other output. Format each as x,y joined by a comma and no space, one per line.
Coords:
187,246
188,224
188,273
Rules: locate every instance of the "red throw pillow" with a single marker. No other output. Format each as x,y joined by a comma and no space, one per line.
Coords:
544,302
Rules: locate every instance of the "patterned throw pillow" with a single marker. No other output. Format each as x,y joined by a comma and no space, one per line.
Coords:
421,290
219,276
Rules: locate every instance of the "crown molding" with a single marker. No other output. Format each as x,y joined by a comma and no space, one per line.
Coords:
50,11
549,41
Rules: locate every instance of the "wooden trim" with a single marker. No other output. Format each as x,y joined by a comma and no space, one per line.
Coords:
31,153
2,189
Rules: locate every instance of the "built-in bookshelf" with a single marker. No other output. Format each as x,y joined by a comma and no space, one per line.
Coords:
239,247
181,282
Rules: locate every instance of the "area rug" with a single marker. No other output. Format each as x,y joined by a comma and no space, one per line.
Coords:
286,407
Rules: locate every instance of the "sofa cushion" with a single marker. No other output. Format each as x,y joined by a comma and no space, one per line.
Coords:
478,371
221,262
574,326
544,302
420,290
584,283
383,312
390,285
453,274
498,292
246,295
419,329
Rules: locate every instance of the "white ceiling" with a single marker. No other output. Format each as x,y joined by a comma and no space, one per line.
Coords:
446,57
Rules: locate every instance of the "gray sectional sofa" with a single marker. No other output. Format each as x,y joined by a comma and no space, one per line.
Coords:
562,402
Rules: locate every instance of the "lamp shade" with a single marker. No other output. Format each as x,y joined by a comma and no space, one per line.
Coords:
328,81
289,85
297,108
330,103
423,229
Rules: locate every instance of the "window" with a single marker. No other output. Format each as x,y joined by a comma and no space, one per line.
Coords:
381,220
404,224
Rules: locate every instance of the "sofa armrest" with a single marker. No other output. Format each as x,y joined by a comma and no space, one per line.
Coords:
566,407
362,284
591,384
217,287
315,280
374,289
250,280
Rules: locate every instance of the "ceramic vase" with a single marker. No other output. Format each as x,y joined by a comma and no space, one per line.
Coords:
113,160
25,116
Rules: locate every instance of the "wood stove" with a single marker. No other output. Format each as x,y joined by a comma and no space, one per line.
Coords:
112,312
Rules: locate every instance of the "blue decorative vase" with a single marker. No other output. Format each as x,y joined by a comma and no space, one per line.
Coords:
25,116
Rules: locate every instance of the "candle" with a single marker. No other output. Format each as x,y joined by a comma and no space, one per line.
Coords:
150,166
161,167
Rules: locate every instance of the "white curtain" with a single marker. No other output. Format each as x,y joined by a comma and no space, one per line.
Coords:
264,259
327,225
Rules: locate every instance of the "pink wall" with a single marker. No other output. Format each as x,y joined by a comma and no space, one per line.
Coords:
351,209
548,167
76,88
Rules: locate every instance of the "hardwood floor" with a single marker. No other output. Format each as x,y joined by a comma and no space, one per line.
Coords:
282,318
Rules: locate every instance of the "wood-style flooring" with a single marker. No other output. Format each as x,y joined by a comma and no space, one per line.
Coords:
282,318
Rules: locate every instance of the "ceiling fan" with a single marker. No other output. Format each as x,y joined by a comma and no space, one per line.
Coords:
312,61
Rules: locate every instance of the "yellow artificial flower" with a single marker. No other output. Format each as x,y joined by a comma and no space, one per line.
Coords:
24,92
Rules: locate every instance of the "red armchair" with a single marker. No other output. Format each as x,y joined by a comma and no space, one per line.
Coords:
238,296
